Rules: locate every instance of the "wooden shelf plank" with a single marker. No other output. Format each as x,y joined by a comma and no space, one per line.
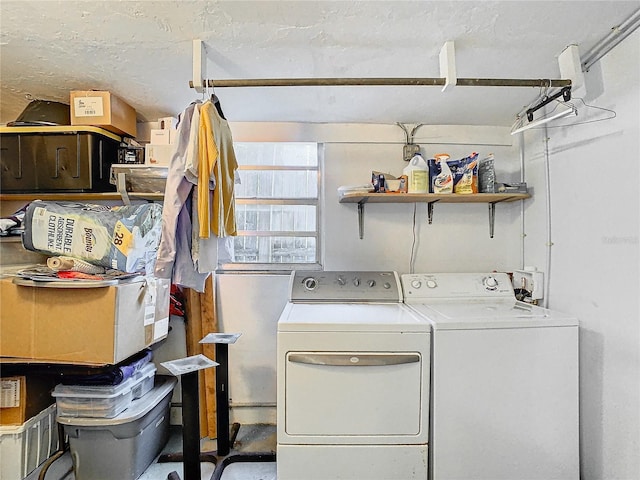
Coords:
77,196
430,197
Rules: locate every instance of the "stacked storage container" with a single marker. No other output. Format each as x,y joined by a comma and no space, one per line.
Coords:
104,401
24,447
115,432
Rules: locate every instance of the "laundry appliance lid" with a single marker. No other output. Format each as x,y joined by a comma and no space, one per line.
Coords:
360,317
474,315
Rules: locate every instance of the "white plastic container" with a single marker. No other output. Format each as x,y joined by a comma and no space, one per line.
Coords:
103,401
24,447
417,173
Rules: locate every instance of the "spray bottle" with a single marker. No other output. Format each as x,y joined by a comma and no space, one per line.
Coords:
443,180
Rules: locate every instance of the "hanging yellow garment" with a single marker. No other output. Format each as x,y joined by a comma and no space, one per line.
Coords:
216,210
207,158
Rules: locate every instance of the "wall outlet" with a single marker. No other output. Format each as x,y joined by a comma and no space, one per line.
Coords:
531,280
409,151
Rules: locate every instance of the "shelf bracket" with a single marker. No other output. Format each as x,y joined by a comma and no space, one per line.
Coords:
492,216
121,186
361,219
430,211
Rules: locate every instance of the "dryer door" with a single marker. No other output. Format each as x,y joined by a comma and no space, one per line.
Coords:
353,394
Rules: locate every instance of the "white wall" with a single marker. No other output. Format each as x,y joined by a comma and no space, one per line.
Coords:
594,178
458,239
251,304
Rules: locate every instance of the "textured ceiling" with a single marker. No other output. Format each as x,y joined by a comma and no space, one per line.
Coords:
142,51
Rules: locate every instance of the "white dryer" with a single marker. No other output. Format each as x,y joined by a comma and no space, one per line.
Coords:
504,381
353,380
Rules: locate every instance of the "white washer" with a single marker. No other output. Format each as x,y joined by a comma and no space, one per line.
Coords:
353,380
504,381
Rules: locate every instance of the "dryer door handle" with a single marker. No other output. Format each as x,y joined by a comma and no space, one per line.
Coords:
353,359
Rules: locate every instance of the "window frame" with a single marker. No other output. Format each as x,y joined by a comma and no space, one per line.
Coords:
276,267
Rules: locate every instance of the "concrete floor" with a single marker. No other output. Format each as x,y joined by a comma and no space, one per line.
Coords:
251,438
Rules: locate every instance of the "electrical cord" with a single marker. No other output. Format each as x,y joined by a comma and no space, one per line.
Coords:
63,447
412,259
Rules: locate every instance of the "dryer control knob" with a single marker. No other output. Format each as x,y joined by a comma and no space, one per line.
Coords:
431,284
356,282
387,285
310,283
416,283
490,283
341,280
371,283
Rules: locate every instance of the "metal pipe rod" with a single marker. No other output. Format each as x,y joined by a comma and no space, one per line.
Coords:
330,82
614,37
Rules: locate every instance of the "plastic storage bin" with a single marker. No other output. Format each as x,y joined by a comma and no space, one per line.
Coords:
56,159
103,401
24,447
141,178
121,448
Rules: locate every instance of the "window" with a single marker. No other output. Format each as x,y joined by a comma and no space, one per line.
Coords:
277,208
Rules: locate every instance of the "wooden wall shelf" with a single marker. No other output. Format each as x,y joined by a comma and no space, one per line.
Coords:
80,196
430,199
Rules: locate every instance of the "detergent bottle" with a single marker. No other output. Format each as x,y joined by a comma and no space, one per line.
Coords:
443,180
417,173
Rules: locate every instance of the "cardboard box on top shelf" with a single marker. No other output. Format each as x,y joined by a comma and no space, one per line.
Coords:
24,397
158,154
144,131
163,137
86,326
102,109
168,123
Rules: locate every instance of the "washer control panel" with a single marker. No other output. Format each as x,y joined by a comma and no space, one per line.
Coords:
345,286
430,286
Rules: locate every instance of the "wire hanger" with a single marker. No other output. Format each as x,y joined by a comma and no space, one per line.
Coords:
215,100
612,114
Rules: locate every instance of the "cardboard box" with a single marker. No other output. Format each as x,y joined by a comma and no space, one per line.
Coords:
103,109
166,123
24,397
163,137
158,154
87,326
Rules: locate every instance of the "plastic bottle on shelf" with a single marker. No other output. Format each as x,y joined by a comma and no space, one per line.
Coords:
443,181
417,173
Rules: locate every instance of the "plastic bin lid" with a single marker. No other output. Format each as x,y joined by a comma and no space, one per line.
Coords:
44,112
138,408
